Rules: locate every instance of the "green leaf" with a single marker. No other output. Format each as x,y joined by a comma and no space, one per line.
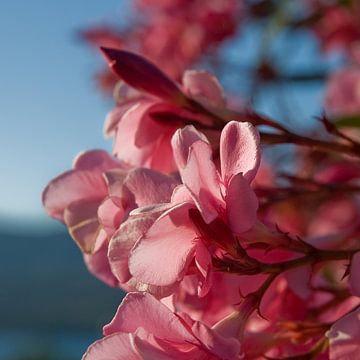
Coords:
348,121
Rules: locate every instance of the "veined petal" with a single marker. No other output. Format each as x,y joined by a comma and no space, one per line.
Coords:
224,348
114,179
162,255
114,347
123,241
344,337
82,221
239,151
204,87
98,265
110,214
98,160
143,310
70,187
202,179
241,205
149,187
125,146
181,142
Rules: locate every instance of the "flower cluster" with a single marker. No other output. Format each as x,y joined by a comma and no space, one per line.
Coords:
180,30
338,28
222,257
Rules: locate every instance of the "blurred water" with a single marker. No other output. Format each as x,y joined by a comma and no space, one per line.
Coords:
22,345
50,306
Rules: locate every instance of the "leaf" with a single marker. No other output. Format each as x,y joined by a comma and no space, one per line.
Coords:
348,121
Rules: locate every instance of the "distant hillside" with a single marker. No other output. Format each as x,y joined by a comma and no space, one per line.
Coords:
44,285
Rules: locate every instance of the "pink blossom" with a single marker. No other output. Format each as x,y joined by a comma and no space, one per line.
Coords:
94,200
182,31
338,27
222,298
144,328
343,92
74,196
208,201
143,126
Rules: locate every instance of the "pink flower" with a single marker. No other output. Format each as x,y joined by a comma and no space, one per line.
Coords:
338,27
143,126
343,92
182,31
208,208
344,337
74,196
221,299
144,328
94,200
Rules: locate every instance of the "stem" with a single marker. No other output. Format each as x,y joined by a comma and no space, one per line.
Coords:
251,266
314,257
221,117
291,138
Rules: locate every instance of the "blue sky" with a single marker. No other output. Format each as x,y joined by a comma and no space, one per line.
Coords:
49,106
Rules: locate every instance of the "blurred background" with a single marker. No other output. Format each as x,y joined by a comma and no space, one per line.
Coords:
50,306
51,109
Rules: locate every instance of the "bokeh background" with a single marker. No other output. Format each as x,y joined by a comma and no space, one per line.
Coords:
50,306
50,109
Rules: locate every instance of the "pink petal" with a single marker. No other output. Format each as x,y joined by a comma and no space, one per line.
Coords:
143,310
239,151
203,87
241,205
115,179
230,326
123,241
114,347
344,337
203,263
201,178
125,146
70,187
150,187
162,158
355,275
142,141
82,221
159,292
181,142
149,349
162,255
224,348
98,160
98,265
151,129
153,208
110,214
114,117
143,75
164,117
299,281
181,194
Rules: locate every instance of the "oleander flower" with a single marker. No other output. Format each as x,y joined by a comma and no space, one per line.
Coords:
144,328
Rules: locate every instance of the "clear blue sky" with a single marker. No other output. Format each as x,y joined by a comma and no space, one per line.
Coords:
49,107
